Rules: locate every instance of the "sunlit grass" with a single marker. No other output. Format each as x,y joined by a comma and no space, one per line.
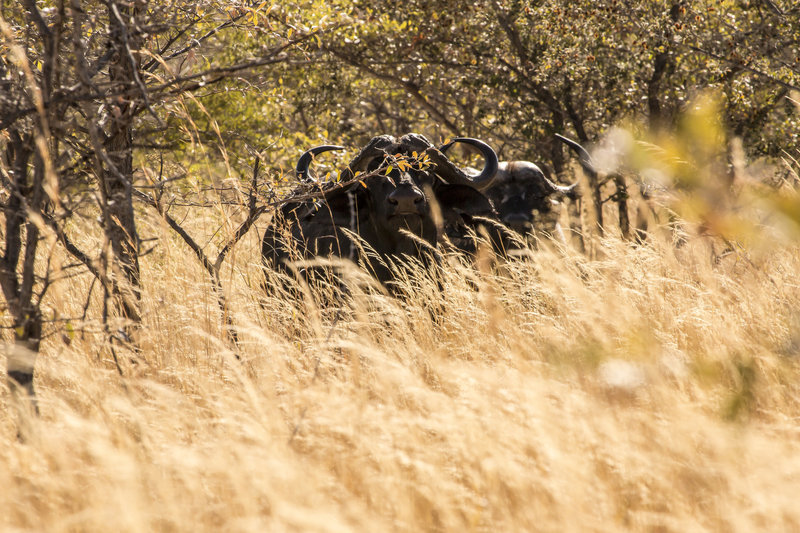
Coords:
650,387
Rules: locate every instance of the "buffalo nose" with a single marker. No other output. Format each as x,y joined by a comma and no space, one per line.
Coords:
406,200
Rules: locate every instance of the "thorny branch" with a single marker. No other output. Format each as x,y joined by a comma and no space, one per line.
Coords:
213,268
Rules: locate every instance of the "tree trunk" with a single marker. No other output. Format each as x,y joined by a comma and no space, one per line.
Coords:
597,199
117,179
663,67
622,206
575,225
591,174
17,287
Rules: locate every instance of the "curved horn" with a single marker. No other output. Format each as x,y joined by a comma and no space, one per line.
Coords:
583,156
376,147
305,160
541,179
482,181
570,191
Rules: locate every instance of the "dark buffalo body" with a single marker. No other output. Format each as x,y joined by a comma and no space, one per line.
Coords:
402,195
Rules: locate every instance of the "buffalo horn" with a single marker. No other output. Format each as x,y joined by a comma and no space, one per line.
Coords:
455,176
375,149
305,160
583,156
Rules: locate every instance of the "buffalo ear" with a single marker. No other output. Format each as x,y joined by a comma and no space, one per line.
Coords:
342,201
462,200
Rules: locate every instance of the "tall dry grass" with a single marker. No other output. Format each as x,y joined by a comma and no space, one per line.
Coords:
637,387
649,388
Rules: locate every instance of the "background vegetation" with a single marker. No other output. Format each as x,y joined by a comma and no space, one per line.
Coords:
642,376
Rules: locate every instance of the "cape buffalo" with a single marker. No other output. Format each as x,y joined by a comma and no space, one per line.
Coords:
526,200
397,197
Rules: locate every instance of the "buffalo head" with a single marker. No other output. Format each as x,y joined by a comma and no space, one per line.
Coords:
526,200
